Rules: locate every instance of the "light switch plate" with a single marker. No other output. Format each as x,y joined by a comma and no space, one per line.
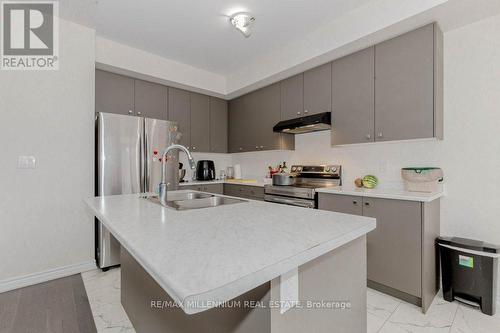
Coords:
26,162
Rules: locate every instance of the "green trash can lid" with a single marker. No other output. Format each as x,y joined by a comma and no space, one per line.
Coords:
470,244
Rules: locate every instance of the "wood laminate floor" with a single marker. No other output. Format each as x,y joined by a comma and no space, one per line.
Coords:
58,306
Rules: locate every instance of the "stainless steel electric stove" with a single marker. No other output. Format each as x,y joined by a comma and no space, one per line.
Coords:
308,178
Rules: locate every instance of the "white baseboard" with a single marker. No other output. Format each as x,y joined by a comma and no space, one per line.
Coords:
35,278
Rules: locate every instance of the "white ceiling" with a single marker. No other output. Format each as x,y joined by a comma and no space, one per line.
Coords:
190,44
198,32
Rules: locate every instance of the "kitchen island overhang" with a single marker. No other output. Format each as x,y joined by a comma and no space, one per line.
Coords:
212,255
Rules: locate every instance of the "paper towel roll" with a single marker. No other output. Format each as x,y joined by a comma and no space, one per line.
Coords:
237,171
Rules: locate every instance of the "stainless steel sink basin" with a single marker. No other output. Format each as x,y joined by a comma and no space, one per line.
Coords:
176,196
194,200
203,203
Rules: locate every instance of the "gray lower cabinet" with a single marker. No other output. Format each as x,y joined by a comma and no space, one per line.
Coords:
150,100
395,247
200,123
218,125
408,86
346,204
179,110
244,191
210,188
401,250
292,97
318,90
114,93
353,93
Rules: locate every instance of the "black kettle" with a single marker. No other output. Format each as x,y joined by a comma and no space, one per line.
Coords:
205,170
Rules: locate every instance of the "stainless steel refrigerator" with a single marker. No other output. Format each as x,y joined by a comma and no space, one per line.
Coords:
128,160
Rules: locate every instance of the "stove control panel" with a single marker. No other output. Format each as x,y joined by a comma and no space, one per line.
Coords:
317,169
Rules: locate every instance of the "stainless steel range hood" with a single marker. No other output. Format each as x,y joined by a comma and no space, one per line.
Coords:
315,122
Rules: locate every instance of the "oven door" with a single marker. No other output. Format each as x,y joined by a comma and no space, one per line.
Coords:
290,201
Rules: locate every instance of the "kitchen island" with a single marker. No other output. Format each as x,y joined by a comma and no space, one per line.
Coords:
246,267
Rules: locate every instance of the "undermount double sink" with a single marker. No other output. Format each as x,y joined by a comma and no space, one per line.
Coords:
186,200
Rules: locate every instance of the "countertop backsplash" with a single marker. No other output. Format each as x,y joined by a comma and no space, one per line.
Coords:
382,159
221,161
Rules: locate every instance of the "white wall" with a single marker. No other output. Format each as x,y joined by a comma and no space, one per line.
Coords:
44,225
123,59
221,162
469,154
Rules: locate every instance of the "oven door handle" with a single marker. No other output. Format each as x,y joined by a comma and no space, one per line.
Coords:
277,191
289,201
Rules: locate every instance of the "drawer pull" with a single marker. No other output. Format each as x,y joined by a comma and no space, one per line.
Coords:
367,204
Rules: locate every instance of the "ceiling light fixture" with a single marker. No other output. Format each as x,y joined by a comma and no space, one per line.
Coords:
242,22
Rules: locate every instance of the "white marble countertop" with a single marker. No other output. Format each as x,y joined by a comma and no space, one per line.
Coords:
234,181
215,254
383,193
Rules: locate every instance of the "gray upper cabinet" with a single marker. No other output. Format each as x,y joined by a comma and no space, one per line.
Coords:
218,125
237,125
404,86
251,121
318,90
202,120
114,93
292,97
251,132
392,91
266,115
200,123
353,89
179,110
150,100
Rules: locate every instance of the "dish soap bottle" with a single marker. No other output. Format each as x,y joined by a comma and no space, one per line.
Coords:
284,168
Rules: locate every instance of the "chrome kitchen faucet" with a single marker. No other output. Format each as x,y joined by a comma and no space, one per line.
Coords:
162,195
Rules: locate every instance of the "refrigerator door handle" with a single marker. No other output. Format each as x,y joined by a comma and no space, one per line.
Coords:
145,161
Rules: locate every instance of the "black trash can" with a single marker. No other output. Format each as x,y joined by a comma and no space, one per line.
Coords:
469,271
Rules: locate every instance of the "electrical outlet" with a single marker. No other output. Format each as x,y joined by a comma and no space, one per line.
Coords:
26,162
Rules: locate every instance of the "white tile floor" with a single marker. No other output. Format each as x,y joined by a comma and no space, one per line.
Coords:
385,313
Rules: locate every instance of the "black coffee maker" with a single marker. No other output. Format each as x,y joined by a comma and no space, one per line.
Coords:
205,170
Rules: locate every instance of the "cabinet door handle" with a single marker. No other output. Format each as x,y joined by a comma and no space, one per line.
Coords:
298,113
194,148
367,204
261,147
130,111
139,113
368,136
306,111
354,202
380,134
